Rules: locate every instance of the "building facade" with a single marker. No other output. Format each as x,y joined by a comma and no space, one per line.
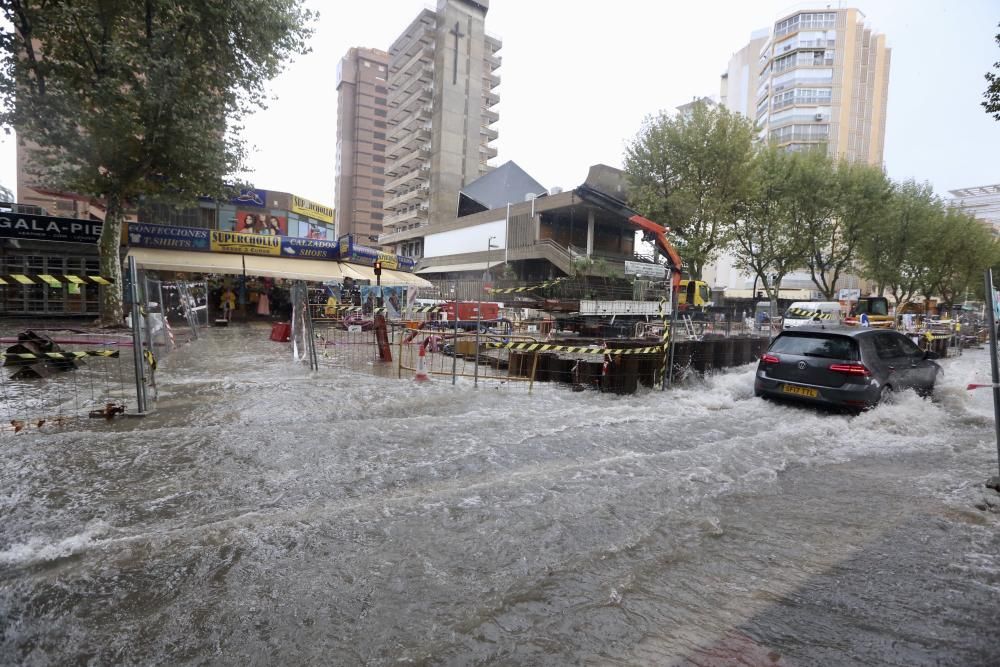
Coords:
362,128
814,78
441,93
821,78
981,202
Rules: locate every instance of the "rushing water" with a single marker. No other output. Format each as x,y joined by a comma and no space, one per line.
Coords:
266,516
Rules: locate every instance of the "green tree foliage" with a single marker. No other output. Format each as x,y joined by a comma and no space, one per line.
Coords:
130,98
992,94
895,248
768,240
957,249
847,198
690,172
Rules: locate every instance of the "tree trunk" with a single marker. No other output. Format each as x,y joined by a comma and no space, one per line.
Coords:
112,314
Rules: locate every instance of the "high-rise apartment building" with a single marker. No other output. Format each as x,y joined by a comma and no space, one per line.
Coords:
814,78
441,93
362,128
820,77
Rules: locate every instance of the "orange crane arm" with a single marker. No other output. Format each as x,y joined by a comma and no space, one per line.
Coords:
658,234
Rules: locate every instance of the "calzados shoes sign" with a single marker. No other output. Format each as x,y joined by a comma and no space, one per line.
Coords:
47,228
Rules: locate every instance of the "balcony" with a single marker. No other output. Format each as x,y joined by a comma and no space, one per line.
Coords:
487,152
412,216
415,196
490,116
493,60
489,133
408,180
491,80
490,98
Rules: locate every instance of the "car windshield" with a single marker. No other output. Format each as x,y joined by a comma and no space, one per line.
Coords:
816,345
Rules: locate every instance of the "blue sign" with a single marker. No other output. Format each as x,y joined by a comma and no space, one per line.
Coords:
251,197
309,248
141,235
48,228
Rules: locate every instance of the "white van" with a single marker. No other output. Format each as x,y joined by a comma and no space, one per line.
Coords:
802,313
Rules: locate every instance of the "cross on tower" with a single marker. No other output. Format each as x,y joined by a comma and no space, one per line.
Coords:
457,31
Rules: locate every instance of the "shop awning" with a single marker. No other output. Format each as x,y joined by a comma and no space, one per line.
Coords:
390,278
267,267
457,268
188,262
211,262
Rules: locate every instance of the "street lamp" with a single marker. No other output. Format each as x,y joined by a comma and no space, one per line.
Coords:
479,306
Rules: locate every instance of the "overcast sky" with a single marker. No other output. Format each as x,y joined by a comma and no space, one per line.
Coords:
578,77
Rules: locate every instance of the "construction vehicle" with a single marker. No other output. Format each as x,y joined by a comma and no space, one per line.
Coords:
694,296
874,308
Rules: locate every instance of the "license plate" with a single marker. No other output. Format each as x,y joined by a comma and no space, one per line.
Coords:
799,391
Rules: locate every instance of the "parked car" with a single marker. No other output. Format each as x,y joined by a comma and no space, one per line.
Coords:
805,313
843,367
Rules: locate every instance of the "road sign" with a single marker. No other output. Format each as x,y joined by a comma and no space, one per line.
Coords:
644,269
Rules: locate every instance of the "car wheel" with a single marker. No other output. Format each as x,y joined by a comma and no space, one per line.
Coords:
886,396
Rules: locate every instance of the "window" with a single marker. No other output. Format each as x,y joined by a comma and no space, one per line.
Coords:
379,170
381,89
379,148
378,158
376,216
376,203
380,100
377,193
380,124
380,112
380,135
378,181
812,345
887,346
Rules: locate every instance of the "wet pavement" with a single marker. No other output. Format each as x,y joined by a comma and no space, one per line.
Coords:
266,515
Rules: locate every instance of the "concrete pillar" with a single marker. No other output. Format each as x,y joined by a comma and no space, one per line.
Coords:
590,233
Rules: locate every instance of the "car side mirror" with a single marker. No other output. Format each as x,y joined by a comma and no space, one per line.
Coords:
930,354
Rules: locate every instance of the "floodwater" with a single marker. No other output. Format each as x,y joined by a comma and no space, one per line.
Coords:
264,515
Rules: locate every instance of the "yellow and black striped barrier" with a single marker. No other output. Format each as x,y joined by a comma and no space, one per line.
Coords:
525,288
425,309
809,314
345,309
15,279
547,347
59,355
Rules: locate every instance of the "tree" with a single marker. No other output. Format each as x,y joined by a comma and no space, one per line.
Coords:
957,250
767,241
992,94
690,172
840,202
128,98
895,250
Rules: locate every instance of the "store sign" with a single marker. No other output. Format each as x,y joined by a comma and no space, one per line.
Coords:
310,248
141,235
847,294
47,228
645,269
359,254
311,209
245,244
250,197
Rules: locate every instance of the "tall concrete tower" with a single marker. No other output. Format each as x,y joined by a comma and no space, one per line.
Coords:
362,127
441,93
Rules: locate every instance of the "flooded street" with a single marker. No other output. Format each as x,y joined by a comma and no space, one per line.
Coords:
264,515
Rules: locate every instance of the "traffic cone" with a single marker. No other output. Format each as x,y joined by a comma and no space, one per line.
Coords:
421,375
